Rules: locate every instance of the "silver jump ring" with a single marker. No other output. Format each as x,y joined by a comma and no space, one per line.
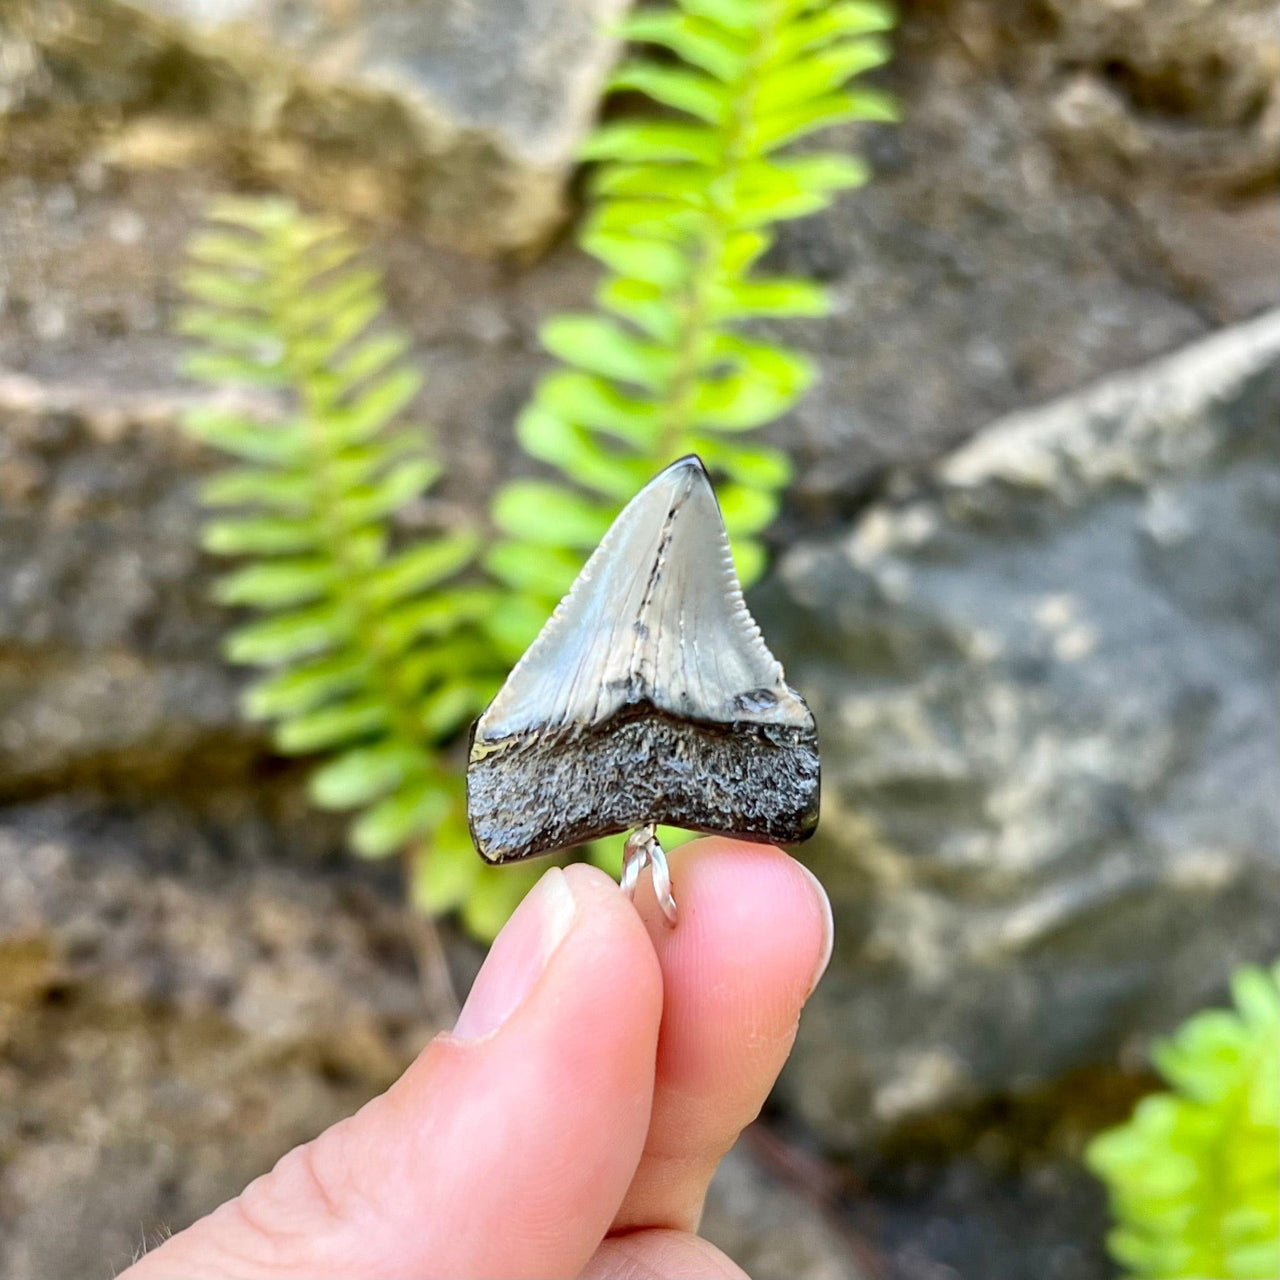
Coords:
642,848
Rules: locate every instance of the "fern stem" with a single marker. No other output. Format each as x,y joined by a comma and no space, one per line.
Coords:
716,228
439,994
674,416
383,665
1219,1175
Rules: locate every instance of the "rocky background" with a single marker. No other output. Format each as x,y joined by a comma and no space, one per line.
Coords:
1027,576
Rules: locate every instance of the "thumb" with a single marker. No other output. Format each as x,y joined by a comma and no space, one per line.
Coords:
505,1149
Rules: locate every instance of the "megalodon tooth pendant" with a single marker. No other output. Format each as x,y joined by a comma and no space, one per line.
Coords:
648,697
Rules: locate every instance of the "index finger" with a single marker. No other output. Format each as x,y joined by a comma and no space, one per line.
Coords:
753,938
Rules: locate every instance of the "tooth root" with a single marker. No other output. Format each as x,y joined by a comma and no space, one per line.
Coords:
649,696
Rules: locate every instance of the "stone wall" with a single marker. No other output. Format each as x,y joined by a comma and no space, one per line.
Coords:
1043,660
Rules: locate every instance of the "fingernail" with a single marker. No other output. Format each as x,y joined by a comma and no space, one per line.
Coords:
828,928
519,957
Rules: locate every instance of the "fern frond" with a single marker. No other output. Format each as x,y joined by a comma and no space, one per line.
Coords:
378,655
683,204
371,651
1194,1175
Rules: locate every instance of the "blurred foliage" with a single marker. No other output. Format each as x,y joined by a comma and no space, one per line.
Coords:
379,654
1194,1175
375,654
674,361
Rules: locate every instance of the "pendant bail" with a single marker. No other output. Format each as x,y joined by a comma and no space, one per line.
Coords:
642,848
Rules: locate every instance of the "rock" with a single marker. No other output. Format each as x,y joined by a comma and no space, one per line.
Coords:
1013,837
109,646
1005,251
973,1211
1044,673
463,119
177,1009
773,1230
1168,63
107,641
1073,189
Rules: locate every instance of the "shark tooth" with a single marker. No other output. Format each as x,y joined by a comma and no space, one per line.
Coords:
650,696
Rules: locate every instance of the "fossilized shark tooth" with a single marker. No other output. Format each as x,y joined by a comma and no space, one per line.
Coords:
649,696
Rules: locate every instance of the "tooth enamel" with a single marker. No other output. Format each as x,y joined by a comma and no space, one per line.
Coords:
648,696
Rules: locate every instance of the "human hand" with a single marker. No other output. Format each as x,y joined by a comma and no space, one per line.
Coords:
570,1123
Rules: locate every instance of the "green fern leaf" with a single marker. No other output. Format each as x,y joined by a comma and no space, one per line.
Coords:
364,774
276,583
548,516
372,651
682,206
445,882
295,690
600,346
258,535
1194,1175
246,437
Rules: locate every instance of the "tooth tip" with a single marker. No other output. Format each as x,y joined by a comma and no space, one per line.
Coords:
689,463
688,473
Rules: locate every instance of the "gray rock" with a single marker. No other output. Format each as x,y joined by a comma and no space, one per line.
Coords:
1045,678
774,1230
462,118
1073,189
176,1012
107,642
1005,251
1038,858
